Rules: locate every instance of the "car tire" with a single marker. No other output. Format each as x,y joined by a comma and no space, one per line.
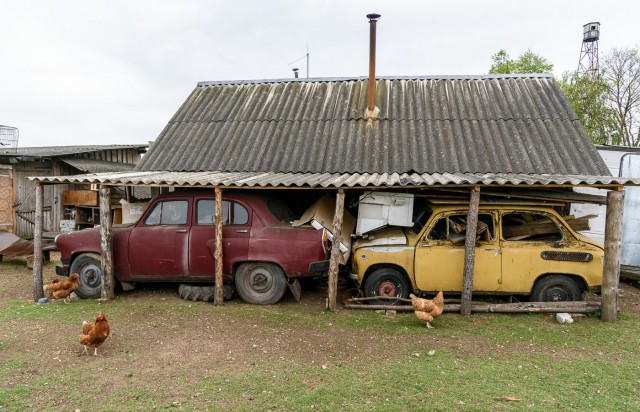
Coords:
203,293
556,288
260,283
386,282
87,265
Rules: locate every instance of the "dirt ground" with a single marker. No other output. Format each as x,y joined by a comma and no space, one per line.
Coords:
150,337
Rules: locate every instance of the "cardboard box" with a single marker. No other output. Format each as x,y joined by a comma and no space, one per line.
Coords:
131,212
320,214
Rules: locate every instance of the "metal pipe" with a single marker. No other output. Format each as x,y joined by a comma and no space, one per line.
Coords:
373,18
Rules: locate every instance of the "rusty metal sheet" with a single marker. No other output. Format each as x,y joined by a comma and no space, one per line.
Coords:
12,245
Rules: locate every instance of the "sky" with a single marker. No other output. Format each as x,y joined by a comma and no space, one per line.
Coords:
78,72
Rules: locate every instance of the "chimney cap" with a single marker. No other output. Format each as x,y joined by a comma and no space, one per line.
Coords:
373,17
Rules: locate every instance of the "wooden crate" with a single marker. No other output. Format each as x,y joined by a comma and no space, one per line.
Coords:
80,198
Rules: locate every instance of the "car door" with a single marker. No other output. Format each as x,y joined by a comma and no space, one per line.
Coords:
236,232
525,235
159,244
439,255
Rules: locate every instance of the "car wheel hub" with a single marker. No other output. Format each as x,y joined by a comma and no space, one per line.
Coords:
556,295
90,275
260,280
387,288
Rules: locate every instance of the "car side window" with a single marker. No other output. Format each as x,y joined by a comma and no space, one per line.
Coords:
528,226
206,212
240,215
453,228
170,212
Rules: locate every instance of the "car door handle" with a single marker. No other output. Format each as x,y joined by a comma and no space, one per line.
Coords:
181,230
242,231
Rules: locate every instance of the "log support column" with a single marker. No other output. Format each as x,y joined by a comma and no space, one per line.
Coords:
335,251
218,297
612,244
37,245
470,252
107,286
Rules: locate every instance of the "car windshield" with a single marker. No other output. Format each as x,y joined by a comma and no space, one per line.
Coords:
421,213
280,210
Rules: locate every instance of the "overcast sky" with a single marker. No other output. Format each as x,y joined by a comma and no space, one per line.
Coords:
114,72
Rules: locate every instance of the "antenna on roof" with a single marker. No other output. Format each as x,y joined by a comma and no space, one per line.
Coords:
303,57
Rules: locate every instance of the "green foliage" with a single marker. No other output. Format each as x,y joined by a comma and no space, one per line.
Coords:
588,97
527,62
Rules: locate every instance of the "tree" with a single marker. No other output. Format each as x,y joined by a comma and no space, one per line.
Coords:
588,97
621,72
527,62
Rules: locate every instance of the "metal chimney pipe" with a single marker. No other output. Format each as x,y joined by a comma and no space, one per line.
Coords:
373,19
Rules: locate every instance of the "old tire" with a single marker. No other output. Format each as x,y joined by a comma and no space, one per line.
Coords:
88,267
556,289
203,293
386,282
260,283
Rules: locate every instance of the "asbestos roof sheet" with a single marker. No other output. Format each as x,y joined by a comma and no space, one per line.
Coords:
96,166
52,151
334,180
427,125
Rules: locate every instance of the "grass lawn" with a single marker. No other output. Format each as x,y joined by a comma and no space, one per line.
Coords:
167,353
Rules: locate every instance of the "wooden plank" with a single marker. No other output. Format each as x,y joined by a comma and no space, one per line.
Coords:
80,198
469,252
630,272
108,284
218,297
612,252
338,217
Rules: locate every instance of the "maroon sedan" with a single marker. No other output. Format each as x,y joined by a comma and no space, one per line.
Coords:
174,241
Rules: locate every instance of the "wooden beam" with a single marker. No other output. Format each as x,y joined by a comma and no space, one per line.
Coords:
519,307
612,251
469,252
108,284
37,245
335,251
218,297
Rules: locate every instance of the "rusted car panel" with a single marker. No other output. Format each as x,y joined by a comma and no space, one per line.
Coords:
174,240
432,258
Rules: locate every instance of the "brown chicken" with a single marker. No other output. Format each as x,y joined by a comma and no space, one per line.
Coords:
62,290
94,334
427,309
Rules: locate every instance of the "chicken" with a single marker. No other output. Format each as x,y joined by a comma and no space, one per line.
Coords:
62,290
94,334
427,309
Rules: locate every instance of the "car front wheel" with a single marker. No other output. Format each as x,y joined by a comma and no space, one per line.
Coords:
260,283
88,267
386,282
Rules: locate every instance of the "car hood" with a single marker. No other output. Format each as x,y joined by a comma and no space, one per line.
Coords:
382,237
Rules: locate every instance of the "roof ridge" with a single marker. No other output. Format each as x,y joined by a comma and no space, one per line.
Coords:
361,78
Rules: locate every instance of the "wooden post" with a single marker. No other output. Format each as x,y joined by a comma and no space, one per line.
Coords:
107,286
218,297
612,243
335,251
37,245
470,252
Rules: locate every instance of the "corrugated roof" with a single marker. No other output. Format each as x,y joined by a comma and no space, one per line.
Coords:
427,125
96,166
51,151
333,180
